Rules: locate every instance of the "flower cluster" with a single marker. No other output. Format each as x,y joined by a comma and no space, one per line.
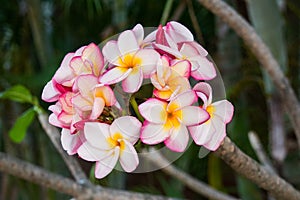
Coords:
83,91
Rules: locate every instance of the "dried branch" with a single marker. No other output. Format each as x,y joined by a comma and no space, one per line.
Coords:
263,54
249,168
70,161
59,183
186,179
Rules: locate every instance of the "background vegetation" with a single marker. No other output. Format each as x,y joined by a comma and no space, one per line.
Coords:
36,34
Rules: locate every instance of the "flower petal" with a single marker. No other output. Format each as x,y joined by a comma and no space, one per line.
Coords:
202,133
128,126
178,32
223,109
97,109
178,139
184,99
71,142
115,75
149,59
192,115
205,71
127,42
204,91
182,68
88,152
173,52
50,94
154,110
218,135
153,133
96,134
64,72
128,157
93,54
111,52
86,84
138,31
106,93
133,81
106,165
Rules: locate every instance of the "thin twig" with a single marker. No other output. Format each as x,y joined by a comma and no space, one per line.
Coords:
70,161
40,176
249,168
178,11
186,179
263,54
260,152
195,22
166,12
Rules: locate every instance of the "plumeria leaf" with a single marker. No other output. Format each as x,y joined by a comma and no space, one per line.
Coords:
17,93
18,131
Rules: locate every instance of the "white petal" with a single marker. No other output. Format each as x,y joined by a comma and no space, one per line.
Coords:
149,59
128,157
202,133
71,142
128,126
96,134
97,109
127,42
218,135
64,72
86,84
178,32
153,133
87,152
178,139
50,94
224,109
205,71
192,115
184,99
204,91
138,31
111,52
133,81
154,110
115,75
106,165
169,50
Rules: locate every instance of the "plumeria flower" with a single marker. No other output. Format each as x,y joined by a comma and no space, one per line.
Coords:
202,68
211,133
106,144
167,122
132,63
171,34
170,78
86,60
92,97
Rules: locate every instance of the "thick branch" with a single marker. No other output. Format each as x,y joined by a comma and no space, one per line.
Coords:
61,184
249,168
70,161
263,54
188,180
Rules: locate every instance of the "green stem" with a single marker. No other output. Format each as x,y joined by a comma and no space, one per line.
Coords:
135,108
166,12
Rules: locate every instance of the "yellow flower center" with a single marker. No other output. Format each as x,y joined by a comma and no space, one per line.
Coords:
173,117
116,140
210,109
129,61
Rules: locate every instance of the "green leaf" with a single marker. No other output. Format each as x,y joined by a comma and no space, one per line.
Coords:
18,131
17,93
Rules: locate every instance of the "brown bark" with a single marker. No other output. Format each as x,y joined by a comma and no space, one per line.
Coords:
38,175
249,168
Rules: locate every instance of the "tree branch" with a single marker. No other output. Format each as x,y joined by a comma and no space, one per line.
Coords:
249,168
59,183
263,54
186,179
70,161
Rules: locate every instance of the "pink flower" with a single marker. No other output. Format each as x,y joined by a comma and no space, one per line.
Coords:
86,60
132,63
92,97
168,121
106,144
202,68
71,142
170,78
211,133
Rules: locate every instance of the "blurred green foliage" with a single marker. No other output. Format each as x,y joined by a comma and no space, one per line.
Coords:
36,34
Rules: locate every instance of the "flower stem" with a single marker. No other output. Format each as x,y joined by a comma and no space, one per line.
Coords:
135,108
